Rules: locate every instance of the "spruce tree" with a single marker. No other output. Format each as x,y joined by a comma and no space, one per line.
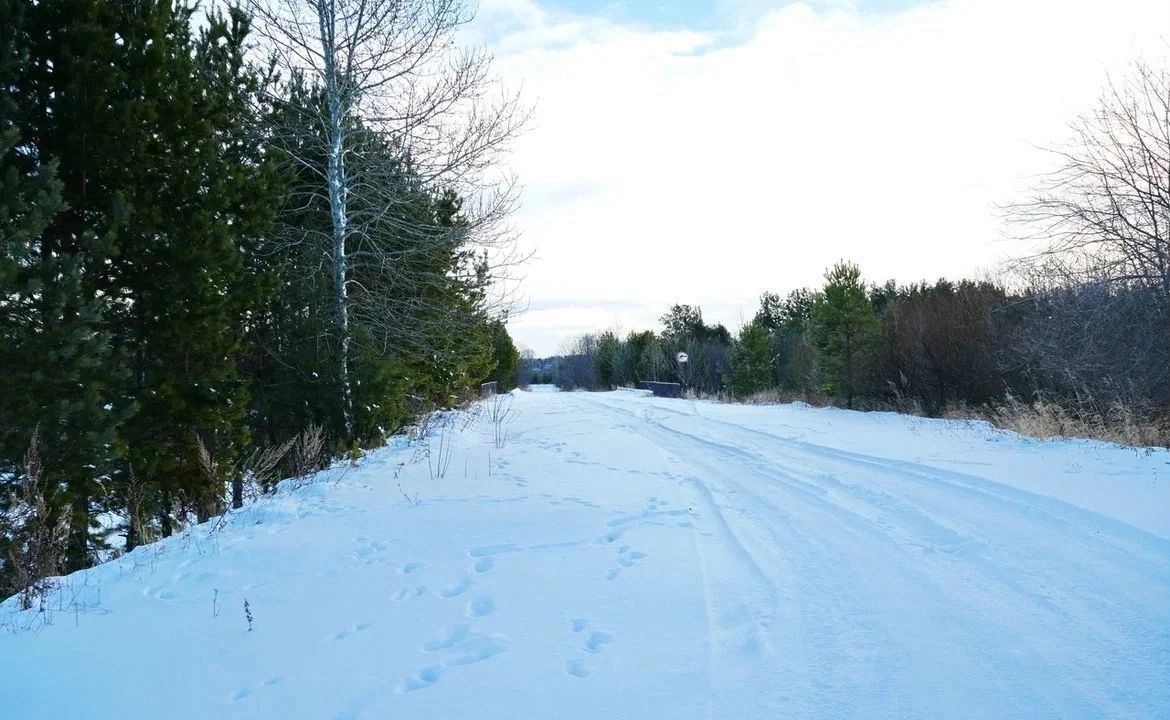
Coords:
751,362
842,330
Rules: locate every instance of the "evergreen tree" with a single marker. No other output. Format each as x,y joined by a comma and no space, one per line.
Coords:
842,328
506,357
58,360
605,361
787,319
161,198
751,362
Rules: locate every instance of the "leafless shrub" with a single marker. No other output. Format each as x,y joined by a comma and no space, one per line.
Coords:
427,418
412,499
305,454
136,495
38,534
252,474
439,456
499,414
259,470
471,416
212,504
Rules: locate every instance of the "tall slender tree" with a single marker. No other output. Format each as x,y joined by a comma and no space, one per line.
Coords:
393,66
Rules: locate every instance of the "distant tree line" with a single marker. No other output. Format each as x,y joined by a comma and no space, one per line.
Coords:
1081,325
212,253
929,347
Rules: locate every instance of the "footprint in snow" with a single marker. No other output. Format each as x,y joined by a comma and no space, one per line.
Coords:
455,589
576,668
422,679
490,550
245,692
484,564
480,607
407,593
450,636
411,568
595,640
627,559
343,634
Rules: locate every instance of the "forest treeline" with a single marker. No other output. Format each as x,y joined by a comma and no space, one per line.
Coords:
1074,341
930,348
220,265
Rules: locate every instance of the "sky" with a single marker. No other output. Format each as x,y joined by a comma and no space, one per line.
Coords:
705,151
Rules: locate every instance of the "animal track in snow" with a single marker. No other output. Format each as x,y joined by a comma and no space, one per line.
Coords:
245,692
411,568
489,550
480,607
484,564
450,636
578,624
455,589
462,646
422,679
576,668
476,649
596,639
369,552
343,634
407,593
627,559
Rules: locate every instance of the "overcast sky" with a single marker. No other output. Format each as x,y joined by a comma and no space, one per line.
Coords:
703,151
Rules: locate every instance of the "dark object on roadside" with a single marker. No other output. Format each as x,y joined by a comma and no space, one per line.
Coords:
661,389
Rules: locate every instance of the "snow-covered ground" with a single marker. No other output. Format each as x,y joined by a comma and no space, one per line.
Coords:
629,557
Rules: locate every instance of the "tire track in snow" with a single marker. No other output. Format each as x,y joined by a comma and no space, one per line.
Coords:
1040,608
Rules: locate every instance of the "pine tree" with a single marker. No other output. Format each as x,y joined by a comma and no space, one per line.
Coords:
181,263
56,355
842,329
505,355
751,362
161,200
605,361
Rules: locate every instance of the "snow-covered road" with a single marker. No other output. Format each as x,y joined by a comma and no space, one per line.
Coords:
628,557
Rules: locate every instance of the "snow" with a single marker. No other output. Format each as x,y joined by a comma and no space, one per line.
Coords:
632,557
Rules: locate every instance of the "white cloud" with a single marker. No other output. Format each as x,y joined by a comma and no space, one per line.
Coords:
686,166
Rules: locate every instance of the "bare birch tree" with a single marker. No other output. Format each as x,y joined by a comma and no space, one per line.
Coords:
392,67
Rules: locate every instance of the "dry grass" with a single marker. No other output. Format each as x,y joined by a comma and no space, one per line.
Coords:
766,397
38,534
1043,419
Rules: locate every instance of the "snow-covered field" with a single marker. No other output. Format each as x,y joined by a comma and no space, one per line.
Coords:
629,557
